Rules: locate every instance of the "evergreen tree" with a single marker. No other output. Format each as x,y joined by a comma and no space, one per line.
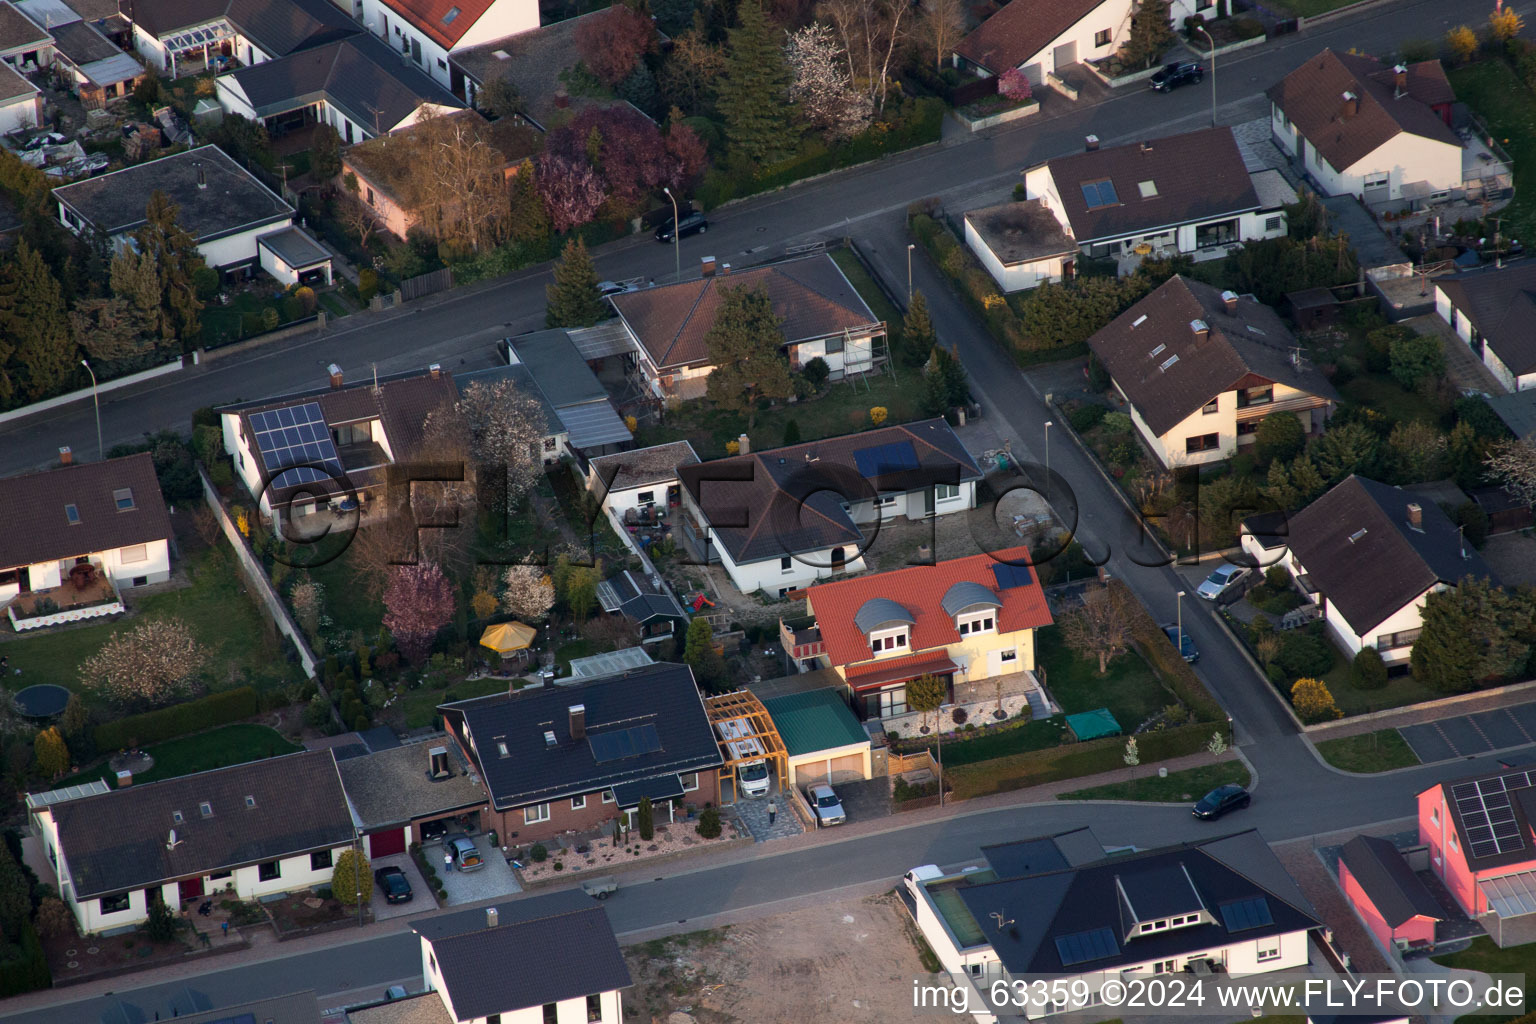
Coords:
1279,490
162,923
15,896
791,433
744,346
51,753
351,879
956,385
645,820
529,222
700,655
174,254
1309,483
751,93
917,334
37,352
1151,33
573,299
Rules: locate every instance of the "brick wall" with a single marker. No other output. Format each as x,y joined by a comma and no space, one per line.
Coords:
512,831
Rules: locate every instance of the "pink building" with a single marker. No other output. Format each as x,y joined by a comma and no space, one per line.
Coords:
1392,901
1482,846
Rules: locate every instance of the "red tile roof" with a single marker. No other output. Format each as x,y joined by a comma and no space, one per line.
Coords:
1022,29
428,16
920,589
892,670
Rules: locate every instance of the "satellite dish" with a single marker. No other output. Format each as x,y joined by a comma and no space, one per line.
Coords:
172,842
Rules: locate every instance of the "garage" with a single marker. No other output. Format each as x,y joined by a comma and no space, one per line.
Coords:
825,741
382,844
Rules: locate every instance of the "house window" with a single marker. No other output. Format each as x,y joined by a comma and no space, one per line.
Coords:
1256,396
72,514
176,817
887,703
578,803
1402,638
269,871
594,1008
833,344
138,581
1203,5
1272,224
123,498
432,962
690,782
205,809
116,904
1434,816
1214,405
891,642
1247,427
1163,967
1102,37
607,796
442,64
135,553
220,875
549,444
1269,952
551,1014
320,860
886,500
978,622
646,497
1202,443
536,813
370,195
786,564
1007,657
945,492
1377,181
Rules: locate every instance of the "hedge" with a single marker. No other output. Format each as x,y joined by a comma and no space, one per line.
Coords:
27,972
1169,664
1072,760
178,720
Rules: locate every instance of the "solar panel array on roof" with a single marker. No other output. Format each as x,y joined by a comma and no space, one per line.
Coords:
295,445
1100,193
1010,576
885,458
1081,947
1487,814
1241,915
621,743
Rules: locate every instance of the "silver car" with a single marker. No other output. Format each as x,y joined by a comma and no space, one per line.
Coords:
465,854
829,809
1222,580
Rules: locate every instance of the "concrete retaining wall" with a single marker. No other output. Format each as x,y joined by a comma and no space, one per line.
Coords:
85,393
977,124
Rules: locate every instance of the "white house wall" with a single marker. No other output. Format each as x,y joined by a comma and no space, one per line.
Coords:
1406,157
503,18
1463,327
25,112
1013,277
622,500
804,569
1170,447
567,1011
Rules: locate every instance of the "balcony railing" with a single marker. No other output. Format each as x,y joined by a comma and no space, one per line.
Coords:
1297,403
801,643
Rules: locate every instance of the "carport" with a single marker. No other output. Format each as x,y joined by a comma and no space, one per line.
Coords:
745,732
823,740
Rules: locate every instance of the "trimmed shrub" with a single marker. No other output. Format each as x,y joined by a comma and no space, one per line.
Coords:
1085,417
1313,701
709,823
178,720
1302,654
538,853
1368,672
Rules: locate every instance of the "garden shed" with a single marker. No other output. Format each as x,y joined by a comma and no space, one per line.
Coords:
1091,725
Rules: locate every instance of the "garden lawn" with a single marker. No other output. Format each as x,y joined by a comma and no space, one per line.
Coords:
1190,784
871,292
216,748
349,605
1484,956
240,319
221,615
1496,93
420,707
1400,691
1378,751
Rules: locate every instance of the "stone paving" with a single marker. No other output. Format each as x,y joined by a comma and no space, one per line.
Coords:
421,900
493,880
753,812
1317,885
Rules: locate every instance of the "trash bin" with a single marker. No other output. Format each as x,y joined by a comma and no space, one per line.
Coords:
1002,462
493,838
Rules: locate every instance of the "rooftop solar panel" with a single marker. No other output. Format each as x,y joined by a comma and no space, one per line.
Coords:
1081,947
1487,817
1010,576
1241,915
885,458
295,445
619,744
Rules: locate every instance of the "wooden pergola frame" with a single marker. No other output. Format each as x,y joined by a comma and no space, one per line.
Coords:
745,705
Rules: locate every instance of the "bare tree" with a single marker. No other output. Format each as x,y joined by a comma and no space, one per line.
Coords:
871,32
943,23
456,181
355,215
1101,628
1513,464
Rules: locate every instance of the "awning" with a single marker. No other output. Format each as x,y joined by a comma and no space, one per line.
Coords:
662,787
508,636
1510,895
609,338
897,670
593,424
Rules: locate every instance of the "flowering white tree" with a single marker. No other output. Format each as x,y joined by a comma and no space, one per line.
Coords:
1513,464
150,664
821,85
527,592
495,425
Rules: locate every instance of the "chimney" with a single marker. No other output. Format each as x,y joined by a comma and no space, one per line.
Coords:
1351,105
578,721
1400,81
743,445
335,372
437,763
1415,516
66,457
562,98
436,370
492,918
1199,328
1091,144
202,178
707,266
1229,300
725,268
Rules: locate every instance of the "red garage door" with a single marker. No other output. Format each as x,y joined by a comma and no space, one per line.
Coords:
382,844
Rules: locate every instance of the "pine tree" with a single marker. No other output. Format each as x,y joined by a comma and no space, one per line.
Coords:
573,300
645,819
744,346
751,93
1151,33
51,752
350,878
37,352
1309,483
700,655
1279,490
956,385
917,334
174,254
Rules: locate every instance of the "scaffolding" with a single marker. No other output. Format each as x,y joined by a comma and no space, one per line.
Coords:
742,723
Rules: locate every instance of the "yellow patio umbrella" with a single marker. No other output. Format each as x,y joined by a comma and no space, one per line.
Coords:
506,637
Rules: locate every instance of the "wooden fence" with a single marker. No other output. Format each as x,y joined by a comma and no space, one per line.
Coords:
413,288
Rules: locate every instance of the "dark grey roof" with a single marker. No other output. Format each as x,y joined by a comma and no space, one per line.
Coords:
17,31
543,949
563,376
278,27
968,594
297,1008
1348,216
1047,853
393,787
232,201
1270,529
533,61
655,465
638,598
358,75
119,840
1500,302
1394,890
81,43
34,506
880,611
1518,411
380,737
1356,544
1044,912
295,248
657,708
1020,232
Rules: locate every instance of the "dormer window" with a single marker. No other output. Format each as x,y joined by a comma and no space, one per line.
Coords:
973,607
887,624
984,621
895,640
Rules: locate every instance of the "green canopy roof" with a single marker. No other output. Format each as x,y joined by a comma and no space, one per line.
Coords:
814,720
1090,725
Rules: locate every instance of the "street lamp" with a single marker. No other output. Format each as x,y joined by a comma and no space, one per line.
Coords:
1212,43
942,708
677,234
910,247
1048,459
96,400
357,872
1181,623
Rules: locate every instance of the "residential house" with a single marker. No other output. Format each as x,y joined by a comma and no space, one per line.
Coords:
1478,830
238,223
106,514
646,602
427,32
574,758
1199,370
24,44
781,519
1021,244
389,169
1043,37
645,478
1368,555
1492,310
331,449
252,830
823,317
582,420
1061,906
969,621
550,959
357,85
190,36
410,793
535,62
1378,132
83,59
1190,193
21,104
823,740
1393,902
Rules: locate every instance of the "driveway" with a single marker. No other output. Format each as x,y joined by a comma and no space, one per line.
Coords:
1466,735
866,799
493,880
1515,555
421,897
753,812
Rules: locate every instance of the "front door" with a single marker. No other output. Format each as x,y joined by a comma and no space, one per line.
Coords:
928,501
189,889
839,560
416,50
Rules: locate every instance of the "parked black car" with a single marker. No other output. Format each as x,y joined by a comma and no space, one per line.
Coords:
393,884
694,223
1180,72
1221,800
1184,642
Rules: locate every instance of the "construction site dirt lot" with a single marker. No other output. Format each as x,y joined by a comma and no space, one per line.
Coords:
852,961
